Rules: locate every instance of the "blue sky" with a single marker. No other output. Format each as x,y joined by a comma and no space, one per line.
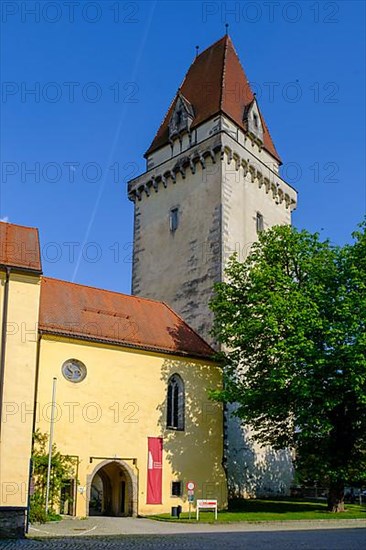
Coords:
103,75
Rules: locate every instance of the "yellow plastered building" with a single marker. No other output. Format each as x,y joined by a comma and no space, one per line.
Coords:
118,372
20,285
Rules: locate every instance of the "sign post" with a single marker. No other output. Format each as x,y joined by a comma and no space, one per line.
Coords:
190,491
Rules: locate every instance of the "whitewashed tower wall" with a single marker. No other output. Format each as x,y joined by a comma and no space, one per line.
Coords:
220,173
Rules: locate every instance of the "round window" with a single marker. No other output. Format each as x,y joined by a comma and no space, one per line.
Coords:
74,370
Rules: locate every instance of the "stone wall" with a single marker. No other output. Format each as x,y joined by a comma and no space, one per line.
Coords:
12,521
254,471
220,185
180,267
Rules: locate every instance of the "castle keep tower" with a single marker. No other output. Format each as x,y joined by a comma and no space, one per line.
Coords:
211,184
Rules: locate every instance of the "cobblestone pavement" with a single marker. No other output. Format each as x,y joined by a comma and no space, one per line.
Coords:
321,539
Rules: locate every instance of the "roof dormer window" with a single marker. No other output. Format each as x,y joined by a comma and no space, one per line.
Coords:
181,118
253,120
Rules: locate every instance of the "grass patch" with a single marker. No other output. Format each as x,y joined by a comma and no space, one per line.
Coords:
254,510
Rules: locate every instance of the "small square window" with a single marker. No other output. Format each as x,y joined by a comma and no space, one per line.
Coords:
177,489
259,223
173,219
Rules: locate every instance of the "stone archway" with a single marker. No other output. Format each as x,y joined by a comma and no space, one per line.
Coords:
112,490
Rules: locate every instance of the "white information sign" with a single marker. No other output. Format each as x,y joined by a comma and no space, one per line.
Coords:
206,504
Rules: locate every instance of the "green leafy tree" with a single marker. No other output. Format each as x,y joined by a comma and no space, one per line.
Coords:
62,469
292,320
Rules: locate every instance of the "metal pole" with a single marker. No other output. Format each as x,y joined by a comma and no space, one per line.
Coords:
29,494
50,442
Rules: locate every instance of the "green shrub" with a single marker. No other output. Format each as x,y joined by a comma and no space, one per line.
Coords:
62,468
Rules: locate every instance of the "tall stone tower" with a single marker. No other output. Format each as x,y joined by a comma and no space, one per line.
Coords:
211,184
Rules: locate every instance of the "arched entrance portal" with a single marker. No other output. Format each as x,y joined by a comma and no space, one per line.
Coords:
112,490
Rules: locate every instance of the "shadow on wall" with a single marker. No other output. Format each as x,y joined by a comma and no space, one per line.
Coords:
195,453
255,471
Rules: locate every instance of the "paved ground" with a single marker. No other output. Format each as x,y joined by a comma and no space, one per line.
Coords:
138,526
322,539
130,533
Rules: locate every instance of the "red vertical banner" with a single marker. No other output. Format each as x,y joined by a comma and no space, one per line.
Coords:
154,470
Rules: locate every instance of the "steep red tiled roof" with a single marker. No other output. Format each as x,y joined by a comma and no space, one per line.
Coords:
19,247
215,83
85,312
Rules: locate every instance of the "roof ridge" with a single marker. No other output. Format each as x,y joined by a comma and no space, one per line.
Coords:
18,225
103,290
242,68
223,72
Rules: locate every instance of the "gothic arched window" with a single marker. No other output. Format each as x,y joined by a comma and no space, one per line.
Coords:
175,403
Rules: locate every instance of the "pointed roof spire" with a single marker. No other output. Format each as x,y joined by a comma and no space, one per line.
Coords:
215,83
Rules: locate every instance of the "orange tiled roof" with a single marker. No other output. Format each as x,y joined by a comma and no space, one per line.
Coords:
92,313
19,247
215,83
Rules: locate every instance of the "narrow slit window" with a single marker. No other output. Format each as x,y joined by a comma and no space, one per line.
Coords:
178,118
259,222
173,219
255,120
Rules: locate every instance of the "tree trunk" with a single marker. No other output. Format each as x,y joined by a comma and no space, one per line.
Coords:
336,496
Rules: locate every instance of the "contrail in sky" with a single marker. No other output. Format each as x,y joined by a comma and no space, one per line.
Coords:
114,144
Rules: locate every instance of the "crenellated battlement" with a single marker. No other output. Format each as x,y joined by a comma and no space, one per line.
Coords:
222,148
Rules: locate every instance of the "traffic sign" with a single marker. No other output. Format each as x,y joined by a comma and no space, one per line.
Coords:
190,490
